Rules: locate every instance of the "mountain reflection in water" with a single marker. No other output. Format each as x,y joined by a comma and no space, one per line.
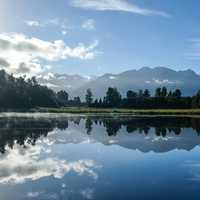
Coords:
88,157
157,134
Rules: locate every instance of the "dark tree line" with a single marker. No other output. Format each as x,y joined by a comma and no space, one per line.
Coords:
144,100
23,93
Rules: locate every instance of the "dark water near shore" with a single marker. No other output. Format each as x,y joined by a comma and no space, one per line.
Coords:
79,157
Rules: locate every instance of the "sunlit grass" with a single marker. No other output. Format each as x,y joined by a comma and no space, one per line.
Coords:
120,111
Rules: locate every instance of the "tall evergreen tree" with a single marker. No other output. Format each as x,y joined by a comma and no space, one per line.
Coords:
177,93
62,97
77,101
164,92
170,94
113,97
100,102
89,97
158,92
146,93
131,94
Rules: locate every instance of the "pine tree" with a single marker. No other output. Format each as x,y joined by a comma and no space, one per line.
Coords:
89,97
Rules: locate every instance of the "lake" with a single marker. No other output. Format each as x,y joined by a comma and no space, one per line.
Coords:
59,156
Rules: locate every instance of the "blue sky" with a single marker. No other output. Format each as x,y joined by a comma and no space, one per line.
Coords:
92,37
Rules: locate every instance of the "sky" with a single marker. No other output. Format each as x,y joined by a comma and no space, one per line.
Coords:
93,37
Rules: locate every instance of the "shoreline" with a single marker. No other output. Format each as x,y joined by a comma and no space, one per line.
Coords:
107,111
84,110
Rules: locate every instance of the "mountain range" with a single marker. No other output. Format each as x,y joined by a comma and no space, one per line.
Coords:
145,78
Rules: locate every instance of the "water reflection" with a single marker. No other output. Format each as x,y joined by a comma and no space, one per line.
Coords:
88,157
24,131
20,165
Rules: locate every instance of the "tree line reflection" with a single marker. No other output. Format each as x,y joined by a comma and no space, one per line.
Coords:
26,131
161,125
23,131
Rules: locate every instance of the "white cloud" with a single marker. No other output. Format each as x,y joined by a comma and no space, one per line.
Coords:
87,193
89,24
49,76
19,165
20,54
62,25
43,23
33,23
33,194
116,5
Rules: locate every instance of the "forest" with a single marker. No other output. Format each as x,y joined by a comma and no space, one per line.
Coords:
26,93
162,99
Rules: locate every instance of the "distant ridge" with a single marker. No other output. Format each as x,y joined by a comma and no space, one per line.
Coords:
186,80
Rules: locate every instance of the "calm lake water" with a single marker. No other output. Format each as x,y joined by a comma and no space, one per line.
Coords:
93,157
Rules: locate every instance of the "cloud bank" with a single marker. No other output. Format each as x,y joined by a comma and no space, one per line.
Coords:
20,54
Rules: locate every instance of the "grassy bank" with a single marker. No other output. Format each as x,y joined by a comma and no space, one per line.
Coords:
84,110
